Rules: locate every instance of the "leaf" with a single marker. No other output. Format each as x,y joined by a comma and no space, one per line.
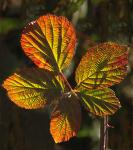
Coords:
49,41
100,102
33,88
65,118
103,66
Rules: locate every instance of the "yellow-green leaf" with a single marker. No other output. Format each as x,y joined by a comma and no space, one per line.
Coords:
103,66
49,41
100,102
33,88
65,118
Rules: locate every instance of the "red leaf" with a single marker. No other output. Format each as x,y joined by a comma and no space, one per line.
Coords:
49,41
103,66
65,118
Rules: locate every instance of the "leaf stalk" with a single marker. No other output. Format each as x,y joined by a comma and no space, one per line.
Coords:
67,83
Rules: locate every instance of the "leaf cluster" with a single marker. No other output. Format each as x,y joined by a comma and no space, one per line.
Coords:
49,42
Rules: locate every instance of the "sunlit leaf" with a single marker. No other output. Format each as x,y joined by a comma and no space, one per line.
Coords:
49,41
65,118
33,88
103,66
100,102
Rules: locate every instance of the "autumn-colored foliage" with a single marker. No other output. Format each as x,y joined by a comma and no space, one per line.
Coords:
50,43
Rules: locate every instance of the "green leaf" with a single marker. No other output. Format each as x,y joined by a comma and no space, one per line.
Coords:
49,41
65,118
33,88
100,102
102,66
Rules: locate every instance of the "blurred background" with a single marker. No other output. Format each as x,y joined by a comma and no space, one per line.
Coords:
95,21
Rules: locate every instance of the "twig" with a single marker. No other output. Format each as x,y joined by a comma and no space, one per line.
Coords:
104,133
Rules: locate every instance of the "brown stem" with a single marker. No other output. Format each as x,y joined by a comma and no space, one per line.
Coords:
104,133
67,83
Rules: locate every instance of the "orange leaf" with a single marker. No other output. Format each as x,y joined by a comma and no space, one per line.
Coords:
33,88
49,41
103,66
65,118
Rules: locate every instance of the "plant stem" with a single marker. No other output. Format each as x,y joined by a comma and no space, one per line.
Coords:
67,83
104,133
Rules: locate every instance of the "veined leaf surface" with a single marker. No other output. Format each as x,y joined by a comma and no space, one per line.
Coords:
103,66
33,88
49,41
65,118
100,102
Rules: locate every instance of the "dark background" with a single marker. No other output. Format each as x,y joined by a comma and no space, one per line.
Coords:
95,21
